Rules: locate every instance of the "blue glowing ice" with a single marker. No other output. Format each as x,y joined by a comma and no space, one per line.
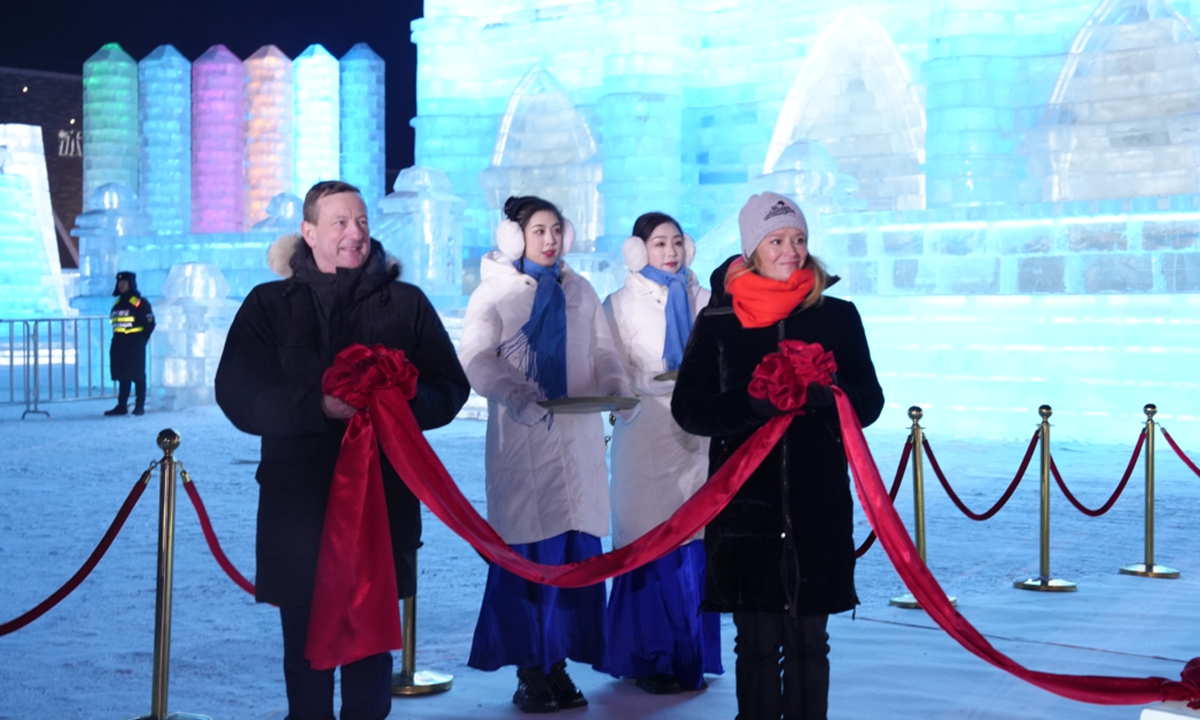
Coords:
165,162
363,141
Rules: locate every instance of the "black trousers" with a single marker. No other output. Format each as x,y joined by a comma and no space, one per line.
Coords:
769,645
139,390
366,684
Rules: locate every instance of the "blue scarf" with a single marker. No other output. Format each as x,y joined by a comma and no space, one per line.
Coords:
541,343
679,314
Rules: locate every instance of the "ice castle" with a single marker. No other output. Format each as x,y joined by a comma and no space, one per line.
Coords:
1009,190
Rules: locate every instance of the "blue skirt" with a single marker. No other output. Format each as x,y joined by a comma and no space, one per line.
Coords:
655,625
526,624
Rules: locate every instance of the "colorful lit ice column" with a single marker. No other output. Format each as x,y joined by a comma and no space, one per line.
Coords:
110,119
317,116
218,141
269,131
641,107
165,163
970,143
362,122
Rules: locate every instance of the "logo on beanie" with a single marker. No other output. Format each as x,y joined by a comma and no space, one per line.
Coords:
779,208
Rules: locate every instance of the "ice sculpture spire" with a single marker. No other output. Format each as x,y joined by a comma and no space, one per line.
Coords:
545,148
362,123
110,119
421,224
855,65
269,131
165,163
317,118
1121,120
218,139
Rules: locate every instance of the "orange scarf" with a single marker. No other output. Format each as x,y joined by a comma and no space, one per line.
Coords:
760,301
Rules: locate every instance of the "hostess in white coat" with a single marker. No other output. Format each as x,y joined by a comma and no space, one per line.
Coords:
656,466
546,475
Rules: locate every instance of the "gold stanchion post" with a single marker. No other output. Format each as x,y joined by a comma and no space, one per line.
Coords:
168,440
907,600
410,681
1044,582
1148,568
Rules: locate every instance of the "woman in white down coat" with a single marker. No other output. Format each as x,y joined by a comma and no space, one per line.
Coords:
535,330
656,632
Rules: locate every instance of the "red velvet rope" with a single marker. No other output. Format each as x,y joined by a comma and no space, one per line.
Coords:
1012,486
214,546
115,527
862,549
1137,451
1184,458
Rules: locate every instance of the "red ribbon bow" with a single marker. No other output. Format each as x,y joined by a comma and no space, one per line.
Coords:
783,376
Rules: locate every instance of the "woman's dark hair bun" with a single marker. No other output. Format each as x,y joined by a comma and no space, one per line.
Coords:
520,208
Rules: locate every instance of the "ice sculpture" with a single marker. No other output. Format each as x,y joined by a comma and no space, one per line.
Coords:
1123,118
218,141
165,163
317,114
853,96
285,212
363,143
30,274
110,119
545,148
111,212
193,319
269,127
420,223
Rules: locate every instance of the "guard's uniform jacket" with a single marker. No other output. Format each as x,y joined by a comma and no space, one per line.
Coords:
132,322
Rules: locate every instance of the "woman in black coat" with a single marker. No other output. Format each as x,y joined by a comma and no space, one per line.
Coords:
781,554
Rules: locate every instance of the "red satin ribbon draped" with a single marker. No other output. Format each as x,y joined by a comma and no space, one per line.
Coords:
381,381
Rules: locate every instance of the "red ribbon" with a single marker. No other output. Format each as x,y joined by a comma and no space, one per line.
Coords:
381,381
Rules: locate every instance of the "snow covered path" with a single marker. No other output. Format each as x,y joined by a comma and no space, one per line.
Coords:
61,482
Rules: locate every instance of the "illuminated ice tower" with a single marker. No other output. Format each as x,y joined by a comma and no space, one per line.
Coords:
110,119
316,116
269,127
362,123
218,140
165,162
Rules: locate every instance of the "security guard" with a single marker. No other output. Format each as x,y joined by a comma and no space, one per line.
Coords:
132,322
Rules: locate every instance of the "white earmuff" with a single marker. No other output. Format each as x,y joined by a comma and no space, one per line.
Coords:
689,250
510,240
568,236
635,254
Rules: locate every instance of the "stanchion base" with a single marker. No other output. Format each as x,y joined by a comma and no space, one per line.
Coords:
422,682
173,716
1044,585
1154,571
908,602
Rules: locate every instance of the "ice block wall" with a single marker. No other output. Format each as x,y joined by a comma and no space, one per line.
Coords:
165,161
218,140
30,275
269,131
363,141
110,119
420,223
317,116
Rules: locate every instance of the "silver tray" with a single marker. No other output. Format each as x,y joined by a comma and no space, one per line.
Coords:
668,375
585,405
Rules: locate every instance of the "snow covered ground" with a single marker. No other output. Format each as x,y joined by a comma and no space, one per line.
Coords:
62,480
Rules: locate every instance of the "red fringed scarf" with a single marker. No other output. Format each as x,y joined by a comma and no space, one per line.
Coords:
356,589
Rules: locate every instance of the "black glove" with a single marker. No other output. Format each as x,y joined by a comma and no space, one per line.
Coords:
764,408
819,397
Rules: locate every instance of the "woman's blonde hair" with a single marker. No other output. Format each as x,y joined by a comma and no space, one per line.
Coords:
820,276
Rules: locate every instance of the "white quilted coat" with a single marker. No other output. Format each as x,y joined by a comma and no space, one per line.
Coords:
545,479
656,466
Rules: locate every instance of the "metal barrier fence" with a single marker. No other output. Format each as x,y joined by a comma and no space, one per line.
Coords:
54,360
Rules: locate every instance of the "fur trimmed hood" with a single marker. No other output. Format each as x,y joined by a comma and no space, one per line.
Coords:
279,255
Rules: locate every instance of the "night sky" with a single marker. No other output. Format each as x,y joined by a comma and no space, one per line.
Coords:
60,36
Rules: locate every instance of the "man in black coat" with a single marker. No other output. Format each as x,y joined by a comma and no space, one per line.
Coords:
132,322
340,289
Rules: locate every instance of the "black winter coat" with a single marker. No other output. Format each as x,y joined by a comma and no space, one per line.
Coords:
132,322
269,384
785,542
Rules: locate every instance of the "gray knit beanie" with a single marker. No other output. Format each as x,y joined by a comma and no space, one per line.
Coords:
764,214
